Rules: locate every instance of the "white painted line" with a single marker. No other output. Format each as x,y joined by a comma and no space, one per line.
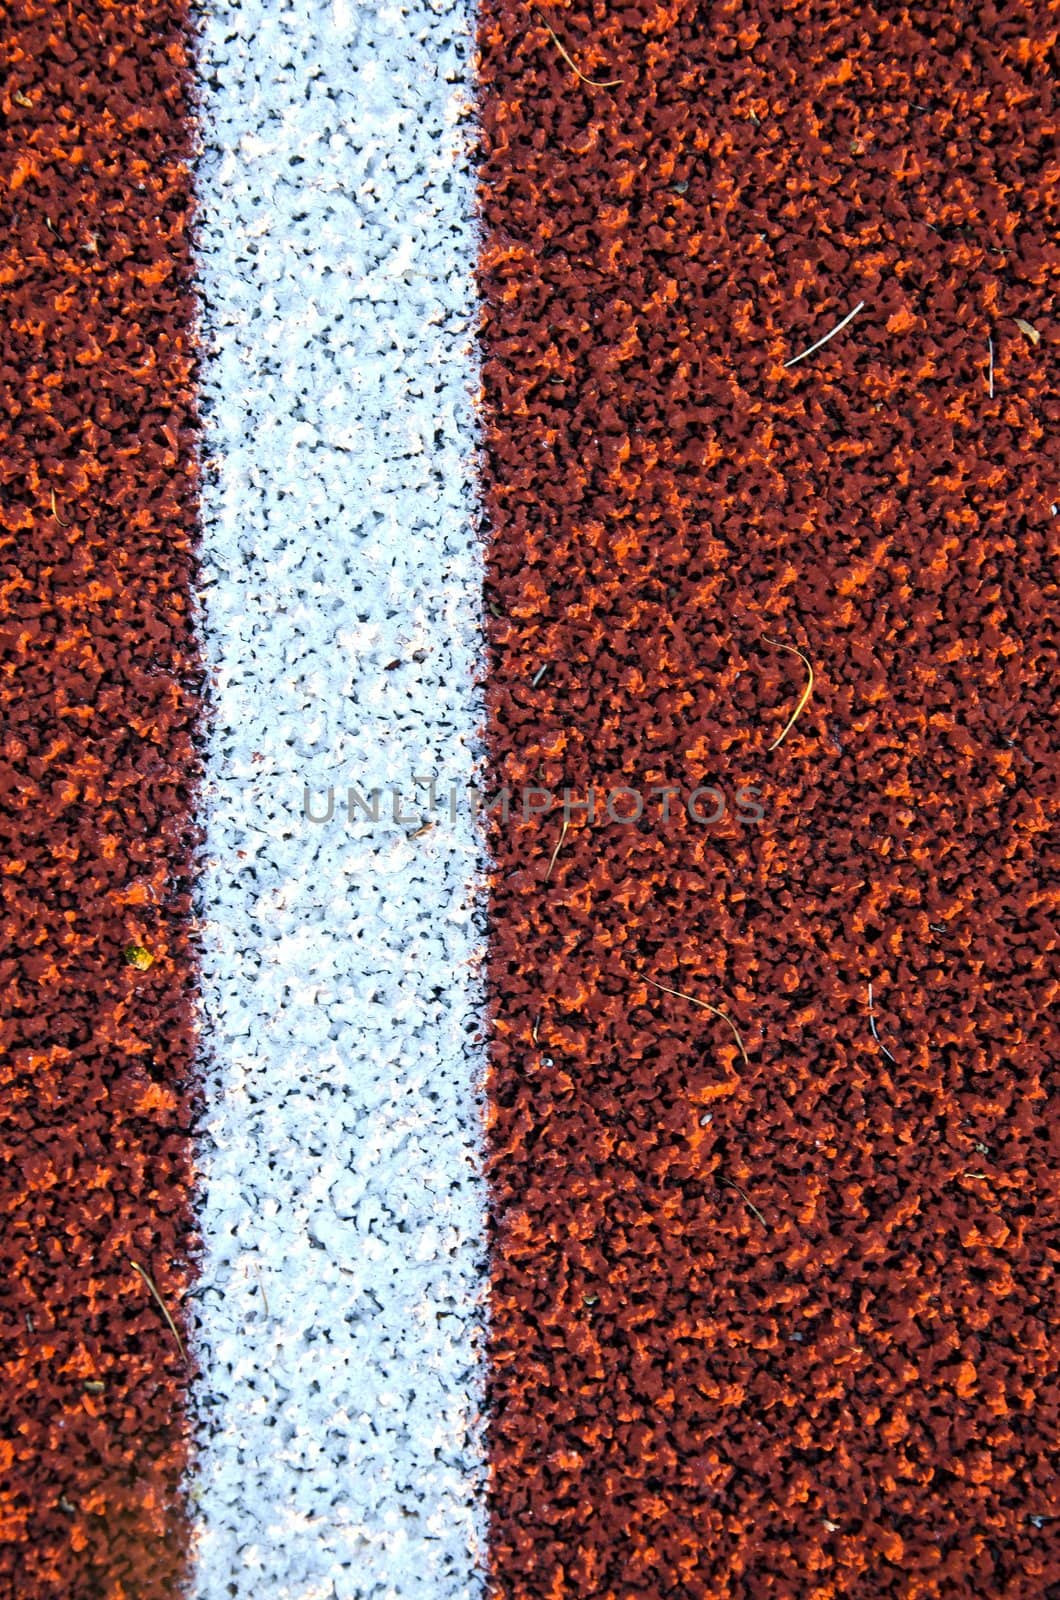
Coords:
343,1297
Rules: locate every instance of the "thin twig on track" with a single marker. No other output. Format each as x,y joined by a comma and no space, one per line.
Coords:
837,329
162,1307
803,698
559,847
746,1198
594,83
681,995
875,1035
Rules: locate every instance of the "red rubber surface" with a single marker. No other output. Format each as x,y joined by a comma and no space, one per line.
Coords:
802,1349
98,689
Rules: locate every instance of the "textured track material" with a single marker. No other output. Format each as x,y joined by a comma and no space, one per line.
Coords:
344,1206
99,698
774,1326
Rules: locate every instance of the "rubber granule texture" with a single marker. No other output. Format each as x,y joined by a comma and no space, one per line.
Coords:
776,1326
99,694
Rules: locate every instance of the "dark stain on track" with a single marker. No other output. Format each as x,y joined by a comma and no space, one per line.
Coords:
99,693
775,1327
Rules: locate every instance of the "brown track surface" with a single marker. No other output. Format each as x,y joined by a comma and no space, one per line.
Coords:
802,1349
98,697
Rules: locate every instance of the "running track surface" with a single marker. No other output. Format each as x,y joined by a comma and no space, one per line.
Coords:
774,1326
770,1284
100,699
